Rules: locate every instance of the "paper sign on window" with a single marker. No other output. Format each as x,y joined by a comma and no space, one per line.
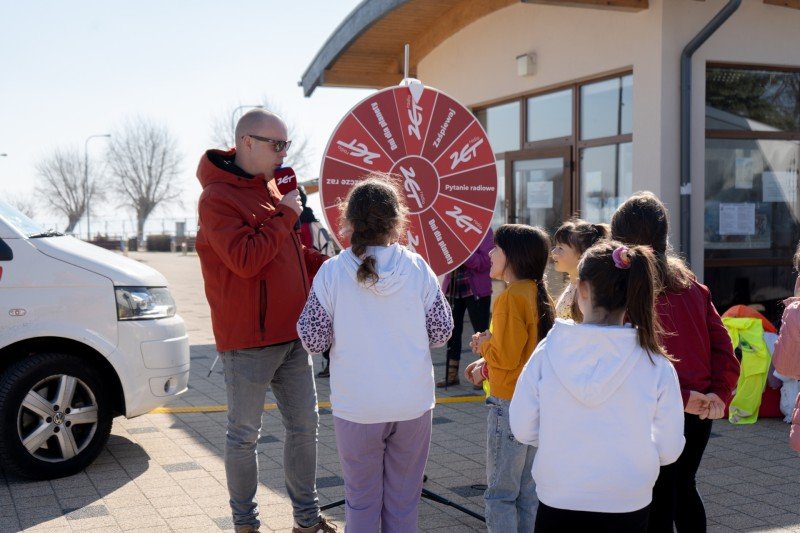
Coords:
737,219
779,186
540,194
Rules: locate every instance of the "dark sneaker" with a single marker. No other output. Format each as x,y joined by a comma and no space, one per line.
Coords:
322,527
246,529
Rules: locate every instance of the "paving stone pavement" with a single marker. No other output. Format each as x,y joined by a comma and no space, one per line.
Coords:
164,471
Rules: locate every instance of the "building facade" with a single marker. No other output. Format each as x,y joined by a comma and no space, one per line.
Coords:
582,104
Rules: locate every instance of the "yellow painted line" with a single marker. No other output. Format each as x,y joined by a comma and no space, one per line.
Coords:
272,406
460,399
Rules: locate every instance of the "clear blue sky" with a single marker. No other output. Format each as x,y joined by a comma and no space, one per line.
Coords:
70,69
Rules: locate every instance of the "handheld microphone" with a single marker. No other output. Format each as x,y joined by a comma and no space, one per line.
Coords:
285,179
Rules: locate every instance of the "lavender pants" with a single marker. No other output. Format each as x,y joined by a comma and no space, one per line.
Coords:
383,465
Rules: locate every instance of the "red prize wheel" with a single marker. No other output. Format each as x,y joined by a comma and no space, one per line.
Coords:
440,154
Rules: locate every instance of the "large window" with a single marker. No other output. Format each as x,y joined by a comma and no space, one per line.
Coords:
593,120
607,108
752,207
606,179
501,123
549,116
606,151
751,99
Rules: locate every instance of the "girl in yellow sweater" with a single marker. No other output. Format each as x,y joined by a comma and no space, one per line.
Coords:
522,315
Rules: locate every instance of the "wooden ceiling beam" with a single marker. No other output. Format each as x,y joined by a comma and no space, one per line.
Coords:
367,49
381,62
793,4
365,79
626,5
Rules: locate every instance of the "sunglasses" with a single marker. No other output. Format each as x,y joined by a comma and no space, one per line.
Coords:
280,146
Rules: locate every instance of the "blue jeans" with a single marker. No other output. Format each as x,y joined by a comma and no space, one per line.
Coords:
248,373
511,493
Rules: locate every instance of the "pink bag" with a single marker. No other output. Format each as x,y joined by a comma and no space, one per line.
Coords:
786,357
794,432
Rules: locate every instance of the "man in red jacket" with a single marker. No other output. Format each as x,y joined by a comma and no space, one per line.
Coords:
256,282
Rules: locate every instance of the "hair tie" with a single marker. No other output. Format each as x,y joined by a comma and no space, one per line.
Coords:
621,257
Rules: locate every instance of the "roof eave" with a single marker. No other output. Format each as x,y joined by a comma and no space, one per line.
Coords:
357,22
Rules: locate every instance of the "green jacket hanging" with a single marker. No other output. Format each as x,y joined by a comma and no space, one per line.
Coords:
748,335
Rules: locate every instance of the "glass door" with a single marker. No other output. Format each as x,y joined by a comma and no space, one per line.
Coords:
539,193
539,188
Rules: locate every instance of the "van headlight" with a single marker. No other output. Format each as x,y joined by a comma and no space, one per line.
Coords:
144,303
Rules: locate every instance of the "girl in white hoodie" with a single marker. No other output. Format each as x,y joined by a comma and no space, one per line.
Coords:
379,309
601,400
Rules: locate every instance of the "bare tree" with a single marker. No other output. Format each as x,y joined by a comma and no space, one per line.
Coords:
144,162
63,184
223,136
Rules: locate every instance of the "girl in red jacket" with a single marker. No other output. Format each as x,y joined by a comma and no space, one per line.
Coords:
706,365
786,356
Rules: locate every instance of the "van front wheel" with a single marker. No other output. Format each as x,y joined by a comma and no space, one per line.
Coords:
55,416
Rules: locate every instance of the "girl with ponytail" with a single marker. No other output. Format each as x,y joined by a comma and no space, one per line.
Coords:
521,317
601,400
379,309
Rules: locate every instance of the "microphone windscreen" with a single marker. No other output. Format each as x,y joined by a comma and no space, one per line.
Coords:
285,179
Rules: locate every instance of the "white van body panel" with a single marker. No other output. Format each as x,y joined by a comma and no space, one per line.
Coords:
144,342
68,364
122,271
63,287
50,298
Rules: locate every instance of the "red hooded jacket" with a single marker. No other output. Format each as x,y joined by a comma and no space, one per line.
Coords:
253,264
696,337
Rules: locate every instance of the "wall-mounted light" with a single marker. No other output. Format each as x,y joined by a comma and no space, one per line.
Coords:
526,64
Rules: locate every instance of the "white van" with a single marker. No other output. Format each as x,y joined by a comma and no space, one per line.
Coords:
85,335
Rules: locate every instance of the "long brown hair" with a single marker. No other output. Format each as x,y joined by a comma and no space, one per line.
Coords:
644,220
527,249
633,289
376,213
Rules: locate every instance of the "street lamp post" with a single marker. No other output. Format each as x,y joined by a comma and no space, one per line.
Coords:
86,180
233,118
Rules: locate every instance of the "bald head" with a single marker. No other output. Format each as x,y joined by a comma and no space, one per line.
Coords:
254,121
256,156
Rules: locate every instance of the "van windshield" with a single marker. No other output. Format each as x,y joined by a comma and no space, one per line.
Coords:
19,221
